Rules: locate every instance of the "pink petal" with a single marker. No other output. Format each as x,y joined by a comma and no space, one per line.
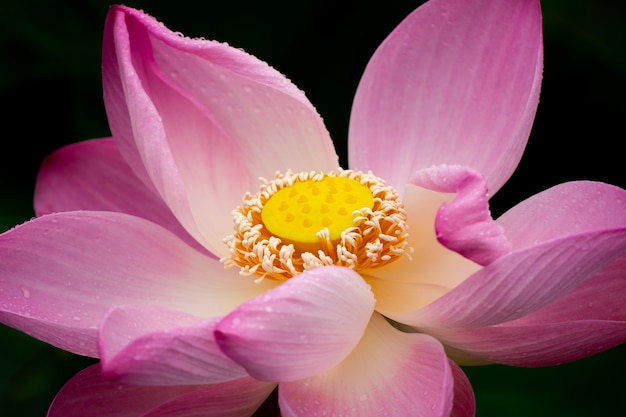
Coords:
92,175
389,373
589,320
540,345
88,394
586,320
599,298
239,398
457,82
62,272
464,224
522,281
432,270
305,326
572,207
464,403
155,346
203,120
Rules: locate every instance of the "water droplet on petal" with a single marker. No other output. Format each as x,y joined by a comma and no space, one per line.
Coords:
25,292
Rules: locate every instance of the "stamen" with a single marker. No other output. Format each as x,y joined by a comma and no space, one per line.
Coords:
302,221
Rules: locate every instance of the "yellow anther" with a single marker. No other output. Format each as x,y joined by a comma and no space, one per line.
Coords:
302,221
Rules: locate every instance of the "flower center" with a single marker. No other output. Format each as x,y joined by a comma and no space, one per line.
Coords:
299,212
302,221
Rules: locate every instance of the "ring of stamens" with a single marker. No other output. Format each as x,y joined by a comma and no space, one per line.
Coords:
376,236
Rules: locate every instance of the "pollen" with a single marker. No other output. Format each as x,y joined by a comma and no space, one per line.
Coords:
302,221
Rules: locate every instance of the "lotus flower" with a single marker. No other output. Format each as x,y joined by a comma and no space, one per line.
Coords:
358,291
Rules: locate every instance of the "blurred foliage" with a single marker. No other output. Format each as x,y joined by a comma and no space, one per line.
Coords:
51,94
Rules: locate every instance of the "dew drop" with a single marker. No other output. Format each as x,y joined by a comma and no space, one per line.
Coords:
25,292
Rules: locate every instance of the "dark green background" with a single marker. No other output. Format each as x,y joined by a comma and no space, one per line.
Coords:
51,95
